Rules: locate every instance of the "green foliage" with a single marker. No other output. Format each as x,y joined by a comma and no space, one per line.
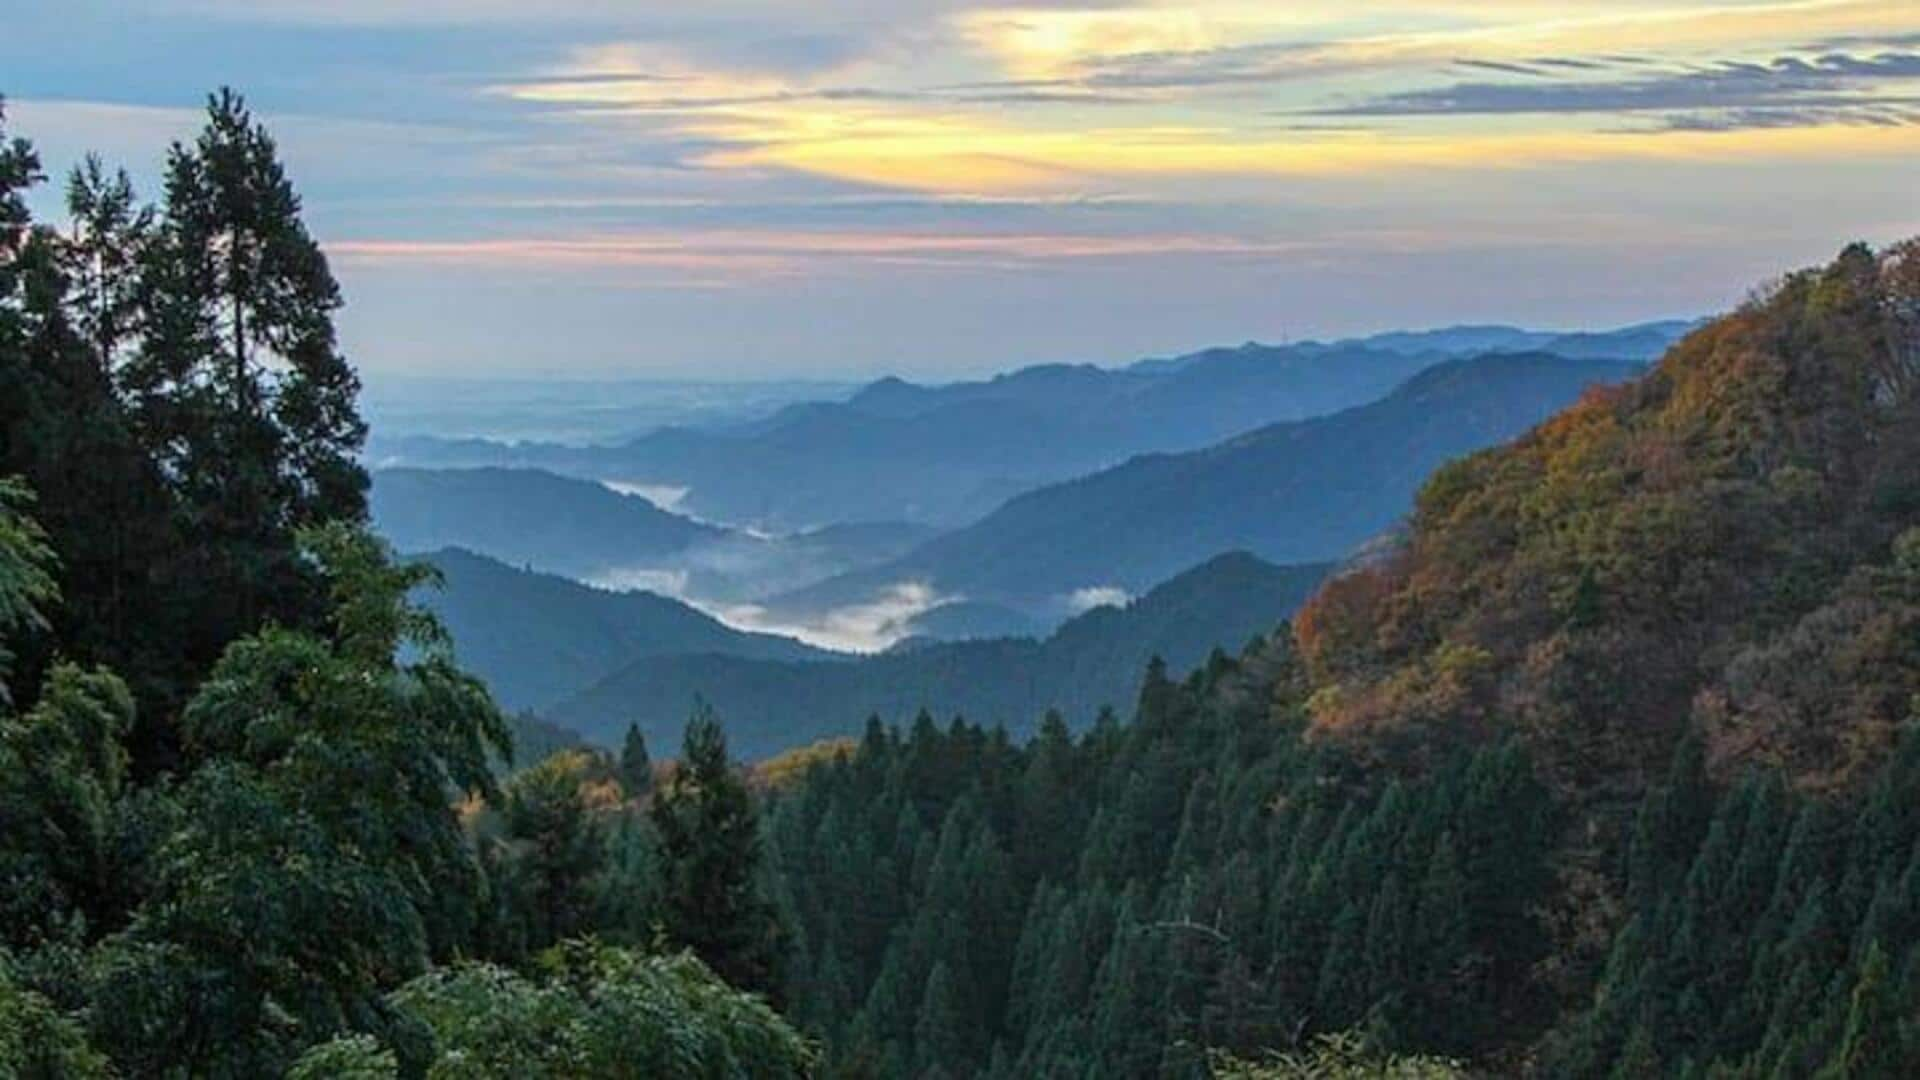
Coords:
169,384
710,896
230,879
1776,936
26,583
353,1057
317,859
636,768
1337,1056
38,1043
1199,878
62,768
549,857
593,1012
236,283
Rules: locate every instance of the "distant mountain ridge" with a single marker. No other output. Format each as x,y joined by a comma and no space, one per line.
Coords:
536,638
1641,342
1093,660
947,454
586,530
558,523
1295,492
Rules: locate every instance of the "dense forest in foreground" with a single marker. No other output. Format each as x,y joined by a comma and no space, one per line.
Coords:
1607,769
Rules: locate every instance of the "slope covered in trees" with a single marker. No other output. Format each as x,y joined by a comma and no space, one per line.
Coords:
1722,544
1092,661
1212,879
1120,903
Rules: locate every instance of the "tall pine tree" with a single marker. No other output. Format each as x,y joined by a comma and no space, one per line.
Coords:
711,898
241,394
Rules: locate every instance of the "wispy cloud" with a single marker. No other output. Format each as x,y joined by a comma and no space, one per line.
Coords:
1309,161
1884,114
1814,87
777,253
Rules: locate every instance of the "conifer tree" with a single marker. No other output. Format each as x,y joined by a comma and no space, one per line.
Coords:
939,1035
556,851
1871,1043
636,768
709,863
26,579
238,391
111,229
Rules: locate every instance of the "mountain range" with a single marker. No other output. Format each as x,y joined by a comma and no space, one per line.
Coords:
536,638
1302,491
947,454
525,516
586,530
961,605
1093,660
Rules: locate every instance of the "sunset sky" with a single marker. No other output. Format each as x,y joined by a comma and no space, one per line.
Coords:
934,187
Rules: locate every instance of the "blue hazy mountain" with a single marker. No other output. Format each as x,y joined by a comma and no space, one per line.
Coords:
1295,492
588,531
1642,342
536,638
1092,660
947,454
527,516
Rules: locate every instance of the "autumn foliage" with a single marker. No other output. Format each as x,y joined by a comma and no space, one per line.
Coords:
1721,542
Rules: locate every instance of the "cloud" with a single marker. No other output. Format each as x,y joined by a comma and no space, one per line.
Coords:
955,152
780,253
867,627
651,170
1834,87
588,13
667,497
1876,115
1188,90
661,582
1501,66
1081,601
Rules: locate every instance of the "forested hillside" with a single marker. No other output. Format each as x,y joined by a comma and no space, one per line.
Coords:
1212,877
1091,661
1200,878
1722,546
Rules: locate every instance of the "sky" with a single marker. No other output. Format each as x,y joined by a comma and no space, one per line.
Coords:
843,188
